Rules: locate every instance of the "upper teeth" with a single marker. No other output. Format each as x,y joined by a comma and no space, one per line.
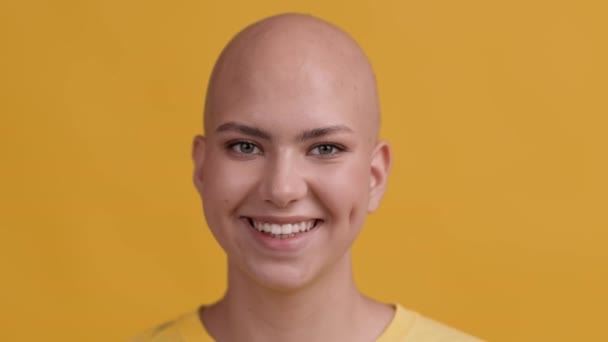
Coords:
289,228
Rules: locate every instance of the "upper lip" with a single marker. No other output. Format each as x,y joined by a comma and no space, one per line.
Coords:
280,219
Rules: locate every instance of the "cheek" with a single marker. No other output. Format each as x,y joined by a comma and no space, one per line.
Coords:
225,185
344,190
226,182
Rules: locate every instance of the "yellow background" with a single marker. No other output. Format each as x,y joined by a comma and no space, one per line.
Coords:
496,216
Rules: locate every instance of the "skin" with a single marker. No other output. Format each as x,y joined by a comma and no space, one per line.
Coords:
291,127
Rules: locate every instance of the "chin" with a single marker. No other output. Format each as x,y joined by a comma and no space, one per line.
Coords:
281,277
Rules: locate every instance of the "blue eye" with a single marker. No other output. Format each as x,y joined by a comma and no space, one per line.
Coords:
326,150
245,147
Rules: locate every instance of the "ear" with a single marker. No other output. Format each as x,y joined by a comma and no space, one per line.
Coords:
380,166
198,157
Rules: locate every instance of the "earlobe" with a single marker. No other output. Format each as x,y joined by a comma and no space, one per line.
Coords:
198,157
380,166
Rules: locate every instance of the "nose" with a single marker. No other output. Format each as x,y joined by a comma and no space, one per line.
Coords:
283,183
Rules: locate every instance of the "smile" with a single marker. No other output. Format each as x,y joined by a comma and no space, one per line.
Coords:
283,230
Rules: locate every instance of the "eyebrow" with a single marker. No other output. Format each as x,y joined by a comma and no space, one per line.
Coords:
244,129
324,131
306,135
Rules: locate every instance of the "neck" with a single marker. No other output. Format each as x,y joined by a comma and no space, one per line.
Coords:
328,309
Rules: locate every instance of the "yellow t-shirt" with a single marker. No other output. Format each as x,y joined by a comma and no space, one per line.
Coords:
406,326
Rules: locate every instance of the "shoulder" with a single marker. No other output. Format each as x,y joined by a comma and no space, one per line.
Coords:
165,332
186,328
409,326
426,329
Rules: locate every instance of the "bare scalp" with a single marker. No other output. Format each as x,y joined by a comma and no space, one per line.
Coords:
294,54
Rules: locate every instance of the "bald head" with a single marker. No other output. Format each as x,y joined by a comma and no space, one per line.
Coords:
291,123
293,56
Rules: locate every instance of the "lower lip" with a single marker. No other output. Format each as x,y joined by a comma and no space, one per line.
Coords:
287,244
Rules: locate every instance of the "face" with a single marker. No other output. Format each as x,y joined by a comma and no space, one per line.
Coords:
287,173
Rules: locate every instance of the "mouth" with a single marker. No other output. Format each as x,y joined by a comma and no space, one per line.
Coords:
283,230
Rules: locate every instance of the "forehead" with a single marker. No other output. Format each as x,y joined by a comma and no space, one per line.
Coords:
285,121
289,98
294,80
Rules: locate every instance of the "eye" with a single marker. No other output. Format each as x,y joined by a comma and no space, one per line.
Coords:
244,147
326,150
